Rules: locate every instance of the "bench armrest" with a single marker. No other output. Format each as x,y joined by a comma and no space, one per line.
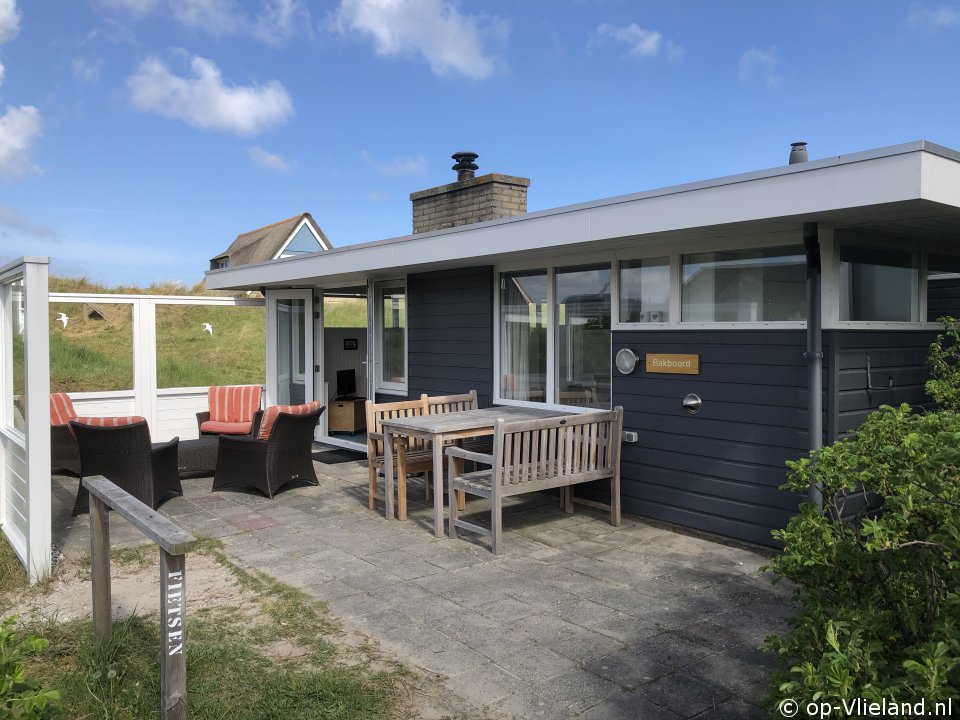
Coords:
454,451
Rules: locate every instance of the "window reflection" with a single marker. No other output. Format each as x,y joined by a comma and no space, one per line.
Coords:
523,335
583,336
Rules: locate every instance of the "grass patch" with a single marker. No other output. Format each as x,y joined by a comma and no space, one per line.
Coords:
12,575
231,671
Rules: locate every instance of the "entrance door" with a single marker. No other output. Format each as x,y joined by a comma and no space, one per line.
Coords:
289,347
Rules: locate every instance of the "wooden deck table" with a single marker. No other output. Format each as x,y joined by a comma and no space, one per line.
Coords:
438,429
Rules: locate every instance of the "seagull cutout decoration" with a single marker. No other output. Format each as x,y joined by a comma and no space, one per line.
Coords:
208,328
61,317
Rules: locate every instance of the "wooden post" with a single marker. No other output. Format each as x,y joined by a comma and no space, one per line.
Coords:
100,569
173,644
174,543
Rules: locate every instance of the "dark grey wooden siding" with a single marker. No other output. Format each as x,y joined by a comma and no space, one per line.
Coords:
450,332
719,470
897,356
943,298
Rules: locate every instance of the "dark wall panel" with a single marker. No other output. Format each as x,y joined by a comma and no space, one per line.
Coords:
450,333
719,470
943,298
898,372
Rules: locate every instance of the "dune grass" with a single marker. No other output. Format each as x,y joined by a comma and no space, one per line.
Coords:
95,350
230,673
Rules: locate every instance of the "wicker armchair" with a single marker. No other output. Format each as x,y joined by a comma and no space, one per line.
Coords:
64,454
285,456
124,455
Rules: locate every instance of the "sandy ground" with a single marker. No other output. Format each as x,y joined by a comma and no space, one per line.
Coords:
135,589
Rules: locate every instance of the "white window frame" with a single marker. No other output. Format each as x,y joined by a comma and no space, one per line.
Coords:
550,266
830,265
383,386
676,283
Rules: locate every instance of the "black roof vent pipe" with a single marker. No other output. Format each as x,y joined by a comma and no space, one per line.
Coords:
465,165
798,153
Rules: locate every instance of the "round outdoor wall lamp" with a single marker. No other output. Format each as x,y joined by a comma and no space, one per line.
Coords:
626,361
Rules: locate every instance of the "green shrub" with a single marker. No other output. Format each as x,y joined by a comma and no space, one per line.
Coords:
944,360
877,582
22,698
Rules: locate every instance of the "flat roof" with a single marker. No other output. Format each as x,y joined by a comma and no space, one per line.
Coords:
909,179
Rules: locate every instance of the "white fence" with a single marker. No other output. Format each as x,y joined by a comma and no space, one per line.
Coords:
25,413
169,412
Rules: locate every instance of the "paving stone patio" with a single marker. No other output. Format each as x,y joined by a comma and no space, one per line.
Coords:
575,619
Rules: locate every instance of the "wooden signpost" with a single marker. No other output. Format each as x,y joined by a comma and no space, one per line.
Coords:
174,543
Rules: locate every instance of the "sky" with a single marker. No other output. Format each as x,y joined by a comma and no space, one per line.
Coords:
138,138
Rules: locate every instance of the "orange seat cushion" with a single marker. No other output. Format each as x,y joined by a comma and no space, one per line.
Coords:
61,409
109,421
233,403
271,413
226,428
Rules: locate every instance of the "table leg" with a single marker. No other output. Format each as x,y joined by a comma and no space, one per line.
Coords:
438,529
388,474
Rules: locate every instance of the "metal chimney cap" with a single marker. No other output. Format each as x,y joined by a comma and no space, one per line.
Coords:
465,166
798,152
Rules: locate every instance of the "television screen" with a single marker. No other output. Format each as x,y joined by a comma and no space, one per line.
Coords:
346,383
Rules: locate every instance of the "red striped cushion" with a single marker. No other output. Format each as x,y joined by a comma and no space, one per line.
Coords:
271,413
109,421
61,409
233,403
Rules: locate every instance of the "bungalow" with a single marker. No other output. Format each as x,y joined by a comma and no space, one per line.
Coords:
687,305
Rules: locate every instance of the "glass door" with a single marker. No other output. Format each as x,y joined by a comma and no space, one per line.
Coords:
289,347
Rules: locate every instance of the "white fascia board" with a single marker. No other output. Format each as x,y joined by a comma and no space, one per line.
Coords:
873,178
940,180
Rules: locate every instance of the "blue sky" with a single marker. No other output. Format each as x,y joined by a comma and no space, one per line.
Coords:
139,137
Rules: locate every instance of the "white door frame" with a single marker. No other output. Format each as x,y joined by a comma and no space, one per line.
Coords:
323,434
309,392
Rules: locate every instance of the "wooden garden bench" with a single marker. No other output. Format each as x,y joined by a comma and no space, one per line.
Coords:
531,455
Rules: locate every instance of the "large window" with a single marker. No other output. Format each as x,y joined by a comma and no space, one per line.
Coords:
878,284
645,290
583,336
760,285
555,336
392,341
523,335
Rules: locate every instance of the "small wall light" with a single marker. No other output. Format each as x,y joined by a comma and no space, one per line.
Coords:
627,361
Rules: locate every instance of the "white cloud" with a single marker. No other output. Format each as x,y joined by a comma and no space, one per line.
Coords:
86,70
448,40
9,20
398,166
19,127
933,17
268,160
282,19
205,101
217,17
135,8
640,42
276,22
15,225
760,66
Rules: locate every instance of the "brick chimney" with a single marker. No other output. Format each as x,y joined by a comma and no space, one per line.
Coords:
470,199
